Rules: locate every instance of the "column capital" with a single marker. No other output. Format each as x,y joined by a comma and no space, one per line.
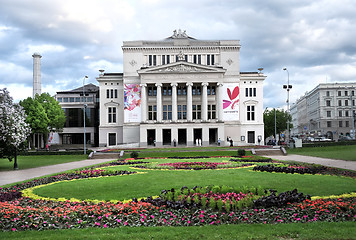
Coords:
205,84
174,84
220,84
189,84
158,84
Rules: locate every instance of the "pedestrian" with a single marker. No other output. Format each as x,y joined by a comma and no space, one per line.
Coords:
231,142
219,142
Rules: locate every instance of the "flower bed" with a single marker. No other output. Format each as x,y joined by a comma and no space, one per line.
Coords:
303,169
193,165
24,214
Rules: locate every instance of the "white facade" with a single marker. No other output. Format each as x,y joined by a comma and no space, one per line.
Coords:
181,90
327,110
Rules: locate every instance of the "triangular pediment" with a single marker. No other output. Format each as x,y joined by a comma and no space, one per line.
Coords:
181,67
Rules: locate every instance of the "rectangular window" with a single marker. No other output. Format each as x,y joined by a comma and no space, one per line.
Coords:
196,90
328,103
328,93
59,99
211,111
152,112
250,113
152,91
149,60
339,93
328,124
254,92
112,114
340,123
346,102
210,59
328,113
347,124
163,59
346,93
167,91
340,104
211,90
107,93
65,99
112,93
346,113
197,59
340,113
77,99
168,59
196,111
115,93
182,111
167,112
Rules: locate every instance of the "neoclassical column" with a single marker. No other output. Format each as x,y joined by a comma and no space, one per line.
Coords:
204,102
143,102
174,102
220,101
159,102
189,102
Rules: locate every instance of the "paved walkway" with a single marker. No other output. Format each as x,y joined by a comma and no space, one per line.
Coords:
14,176
351,165
22,175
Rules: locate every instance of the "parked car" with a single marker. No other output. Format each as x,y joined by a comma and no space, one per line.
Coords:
345,138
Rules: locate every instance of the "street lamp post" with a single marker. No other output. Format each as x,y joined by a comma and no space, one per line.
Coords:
287,87
84,108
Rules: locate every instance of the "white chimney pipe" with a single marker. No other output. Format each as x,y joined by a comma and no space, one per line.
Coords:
36,74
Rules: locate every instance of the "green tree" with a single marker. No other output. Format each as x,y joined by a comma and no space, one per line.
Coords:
36,115
281,121
44,114
53,110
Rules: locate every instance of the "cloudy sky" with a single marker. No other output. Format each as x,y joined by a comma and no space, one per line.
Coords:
315,40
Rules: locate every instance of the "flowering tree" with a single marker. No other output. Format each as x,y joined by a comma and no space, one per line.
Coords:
13,128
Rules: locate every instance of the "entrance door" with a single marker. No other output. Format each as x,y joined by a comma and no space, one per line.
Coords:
167,137
197,135
182,136
251,136
112,139
151,136
212,135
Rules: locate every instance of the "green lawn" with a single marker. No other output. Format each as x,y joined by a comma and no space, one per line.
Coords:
25,162
335,152
319,230
153,181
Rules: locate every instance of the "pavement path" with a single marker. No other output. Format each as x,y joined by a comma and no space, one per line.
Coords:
14,176
350,165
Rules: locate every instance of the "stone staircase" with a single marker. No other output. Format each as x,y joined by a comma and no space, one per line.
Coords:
270,152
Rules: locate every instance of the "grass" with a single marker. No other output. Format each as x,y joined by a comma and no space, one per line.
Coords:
325,230
26,162
153,181
347,153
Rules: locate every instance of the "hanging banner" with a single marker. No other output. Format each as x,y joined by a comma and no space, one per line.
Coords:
132,103
231,98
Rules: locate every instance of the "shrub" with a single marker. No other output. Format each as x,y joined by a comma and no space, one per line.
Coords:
134,154
241,152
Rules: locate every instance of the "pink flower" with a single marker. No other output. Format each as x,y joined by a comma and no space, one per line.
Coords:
13,229
105,226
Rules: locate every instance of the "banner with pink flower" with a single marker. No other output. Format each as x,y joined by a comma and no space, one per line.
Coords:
231,98
132,102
